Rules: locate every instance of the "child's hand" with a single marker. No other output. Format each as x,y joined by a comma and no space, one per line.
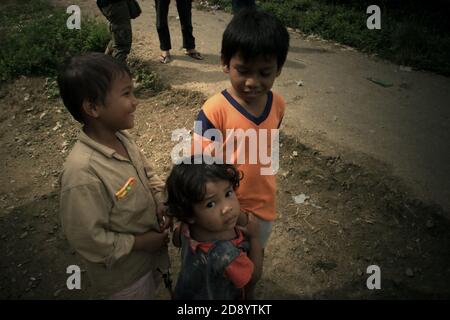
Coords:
252,228
151,241
243,219
165,221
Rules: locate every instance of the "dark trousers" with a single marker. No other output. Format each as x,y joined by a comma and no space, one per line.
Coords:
241,4
119,20
184,8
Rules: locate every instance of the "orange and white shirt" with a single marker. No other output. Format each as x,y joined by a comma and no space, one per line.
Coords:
247,142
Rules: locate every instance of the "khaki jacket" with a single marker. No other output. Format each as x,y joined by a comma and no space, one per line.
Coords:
100,213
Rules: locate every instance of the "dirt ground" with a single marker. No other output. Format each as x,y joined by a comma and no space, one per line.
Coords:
356,212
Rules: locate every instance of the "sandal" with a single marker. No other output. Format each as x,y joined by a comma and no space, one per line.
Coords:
165,59
194,55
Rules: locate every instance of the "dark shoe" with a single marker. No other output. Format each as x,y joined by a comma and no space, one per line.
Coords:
194,55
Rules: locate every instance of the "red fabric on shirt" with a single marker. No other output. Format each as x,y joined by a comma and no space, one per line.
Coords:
240,270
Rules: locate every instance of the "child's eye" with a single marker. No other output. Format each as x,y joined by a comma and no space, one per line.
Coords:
229,193
210,204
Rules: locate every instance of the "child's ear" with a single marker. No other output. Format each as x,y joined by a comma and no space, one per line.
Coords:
225,66
91,109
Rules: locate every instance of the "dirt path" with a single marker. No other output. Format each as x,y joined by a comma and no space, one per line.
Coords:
356,213
337,108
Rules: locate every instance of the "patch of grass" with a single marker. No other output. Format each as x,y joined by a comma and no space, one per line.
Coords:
413,33
220,4
35,39
147,82
51,88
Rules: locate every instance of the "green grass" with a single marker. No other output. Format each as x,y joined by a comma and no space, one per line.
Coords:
35,39
413,33
147,82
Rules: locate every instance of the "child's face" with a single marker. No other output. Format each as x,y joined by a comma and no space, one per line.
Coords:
220,208
120,104
252,79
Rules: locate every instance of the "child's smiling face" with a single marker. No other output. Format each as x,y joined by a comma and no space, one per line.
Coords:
117,113
252,79
219,210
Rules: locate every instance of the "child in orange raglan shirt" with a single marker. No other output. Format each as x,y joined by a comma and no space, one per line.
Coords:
248,114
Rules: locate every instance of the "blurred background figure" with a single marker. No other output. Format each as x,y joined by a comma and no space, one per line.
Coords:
118,16
184,8
241,4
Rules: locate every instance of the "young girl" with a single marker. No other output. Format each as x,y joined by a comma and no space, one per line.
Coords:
218,262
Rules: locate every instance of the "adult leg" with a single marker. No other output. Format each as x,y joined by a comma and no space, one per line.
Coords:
234,6
184,8
162,11
120,27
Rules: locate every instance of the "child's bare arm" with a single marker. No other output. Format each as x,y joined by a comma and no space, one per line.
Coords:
256,255
243,219
256,252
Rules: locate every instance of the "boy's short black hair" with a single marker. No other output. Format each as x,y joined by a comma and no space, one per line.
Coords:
186,184
253,32
88,78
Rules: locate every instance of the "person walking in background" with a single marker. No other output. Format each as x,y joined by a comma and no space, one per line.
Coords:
184,8
118,15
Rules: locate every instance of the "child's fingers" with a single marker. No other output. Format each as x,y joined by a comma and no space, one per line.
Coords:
253,224
243,229
165,222
252,219
243,219
161,212
166,234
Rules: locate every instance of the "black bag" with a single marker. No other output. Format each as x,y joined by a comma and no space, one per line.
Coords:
134,8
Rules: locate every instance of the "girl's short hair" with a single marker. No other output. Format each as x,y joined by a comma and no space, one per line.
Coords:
88,77
186,184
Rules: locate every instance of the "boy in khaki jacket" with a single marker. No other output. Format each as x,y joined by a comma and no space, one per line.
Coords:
111,201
